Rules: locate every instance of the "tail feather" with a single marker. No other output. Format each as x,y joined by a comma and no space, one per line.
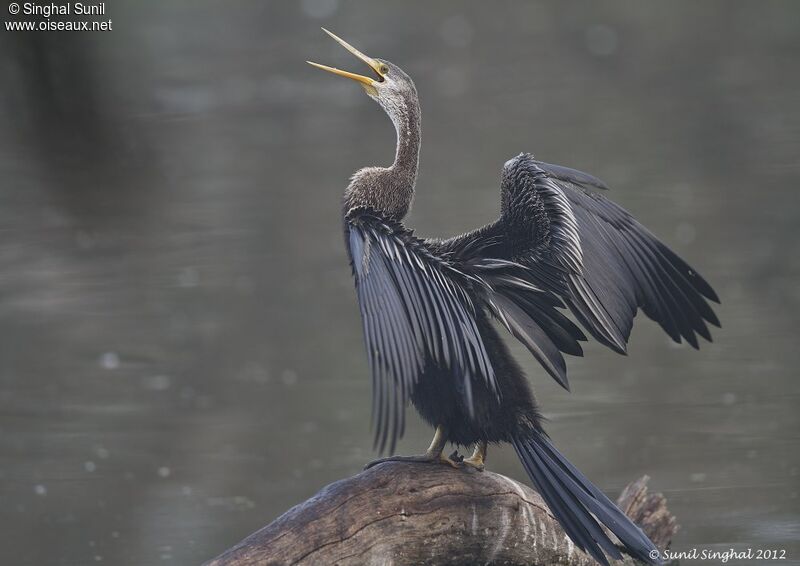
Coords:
573,499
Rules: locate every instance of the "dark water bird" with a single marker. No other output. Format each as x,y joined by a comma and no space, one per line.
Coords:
428,307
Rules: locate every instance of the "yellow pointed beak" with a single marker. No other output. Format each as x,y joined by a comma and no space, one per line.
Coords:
377,66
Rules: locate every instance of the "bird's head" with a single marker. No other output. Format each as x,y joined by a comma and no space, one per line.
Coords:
387,84
386,189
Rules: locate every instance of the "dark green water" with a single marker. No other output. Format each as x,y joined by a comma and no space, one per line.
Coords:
181,356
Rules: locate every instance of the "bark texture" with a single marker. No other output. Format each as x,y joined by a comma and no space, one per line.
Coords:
409,513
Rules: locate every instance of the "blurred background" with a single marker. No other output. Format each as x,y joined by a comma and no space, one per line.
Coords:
181,357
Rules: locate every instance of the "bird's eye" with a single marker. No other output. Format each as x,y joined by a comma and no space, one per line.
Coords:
384,70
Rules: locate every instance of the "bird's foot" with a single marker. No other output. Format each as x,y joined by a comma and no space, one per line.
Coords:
478,458
474,462
454,460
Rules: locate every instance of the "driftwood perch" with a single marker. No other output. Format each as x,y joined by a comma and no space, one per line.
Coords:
409,513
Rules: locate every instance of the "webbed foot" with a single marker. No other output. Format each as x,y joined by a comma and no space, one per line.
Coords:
433,455
477,460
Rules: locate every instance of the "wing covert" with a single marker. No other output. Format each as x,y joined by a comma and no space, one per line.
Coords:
550,220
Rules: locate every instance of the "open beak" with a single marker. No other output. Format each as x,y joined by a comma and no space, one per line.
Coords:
376,66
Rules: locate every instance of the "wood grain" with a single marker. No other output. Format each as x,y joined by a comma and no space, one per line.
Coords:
410,513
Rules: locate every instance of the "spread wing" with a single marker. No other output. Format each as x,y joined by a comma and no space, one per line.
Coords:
416,308
420,308
573,176
606,264
591,253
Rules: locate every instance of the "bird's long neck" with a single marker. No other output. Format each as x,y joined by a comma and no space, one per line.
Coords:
390,190
406,121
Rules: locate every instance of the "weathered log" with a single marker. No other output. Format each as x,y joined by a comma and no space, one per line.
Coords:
410,513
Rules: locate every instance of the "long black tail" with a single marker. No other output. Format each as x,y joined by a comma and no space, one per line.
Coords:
573,500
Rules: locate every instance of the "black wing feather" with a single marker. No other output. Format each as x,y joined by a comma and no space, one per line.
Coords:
528,331
579,246
622,266
572,176
416,308
418,301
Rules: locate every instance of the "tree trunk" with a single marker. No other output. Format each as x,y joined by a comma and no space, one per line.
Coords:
410,513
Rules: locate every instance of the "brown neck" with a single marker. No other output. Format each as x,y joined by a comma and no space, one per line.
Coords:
390,190
406,120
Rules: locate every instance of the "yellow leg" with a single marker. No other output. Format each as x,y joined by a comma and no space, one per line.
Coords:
435,451
434,454
478,458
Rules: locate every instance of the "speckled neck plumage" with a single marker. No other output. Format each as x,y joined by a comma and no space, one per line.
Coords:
390,190
406,119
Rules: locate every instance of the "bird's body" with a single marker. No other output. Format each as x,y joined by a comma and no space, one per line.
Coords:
438,397
491,421
430,308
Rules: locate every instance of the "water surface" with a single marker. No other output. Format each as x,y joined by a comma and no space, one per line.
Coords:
181,356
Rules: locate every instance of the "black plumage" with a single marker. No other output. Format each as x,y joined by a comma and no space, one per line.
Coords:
428,308
593,254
